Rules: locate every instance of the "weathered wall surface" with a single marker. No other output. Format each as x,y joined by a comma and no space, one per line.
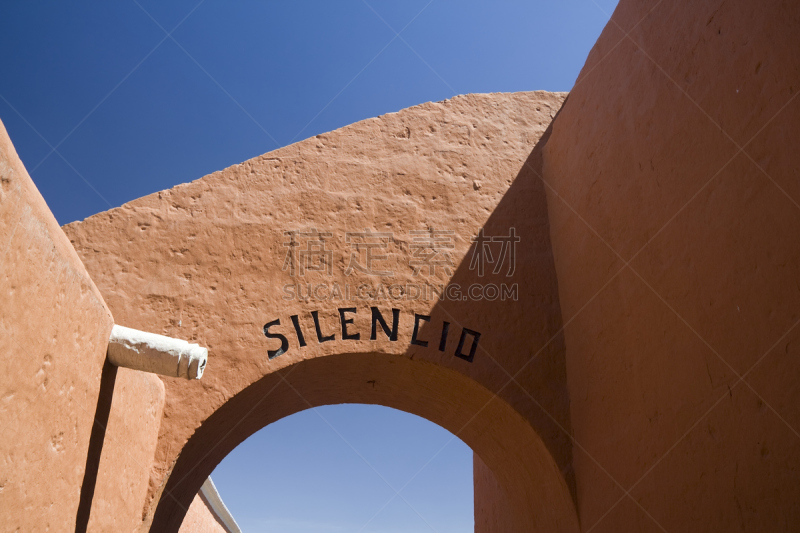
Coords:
128,450
673,189
54,331
206,261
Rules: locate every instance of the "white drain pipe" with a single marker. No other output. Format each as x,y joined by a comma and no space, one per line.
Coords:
148,352
214,501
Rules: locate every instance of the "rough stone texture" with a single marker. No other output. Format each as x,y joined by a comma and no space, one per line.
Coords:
203,262
128,451
54,330
200,519
678,263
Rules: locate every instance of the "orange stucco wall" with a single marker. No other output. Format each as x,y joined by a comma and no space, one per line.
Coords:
54,330
674,200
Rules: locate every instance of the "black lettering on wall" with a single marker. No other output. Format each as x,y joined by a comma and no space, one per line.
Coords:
284,341
414,339
377,318
345,322
320,338
475,338
297,330
443,340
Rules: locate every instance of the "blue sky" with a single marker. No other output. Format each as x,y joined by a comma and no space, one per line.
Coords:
109,101
338,469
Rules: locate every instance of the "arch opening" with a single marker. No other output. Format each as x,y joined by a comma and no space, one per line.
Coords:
349,467
525,470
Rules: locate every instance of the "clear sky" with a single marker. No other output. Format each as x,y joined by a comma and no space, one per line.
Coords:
109,101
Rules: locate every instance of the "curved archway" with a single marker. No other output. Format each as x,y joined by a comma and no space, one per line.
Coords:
461,304
523,466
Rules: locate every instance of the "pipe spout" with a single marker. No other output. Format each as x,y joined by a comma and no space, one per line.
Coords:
148,352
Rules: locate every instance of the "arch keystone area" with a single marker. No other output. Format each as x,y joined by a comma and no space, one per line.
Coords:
404,260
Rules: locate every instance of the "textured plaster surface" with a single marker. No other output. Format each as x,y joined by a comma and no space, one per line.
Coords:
203,261
645,169
54,330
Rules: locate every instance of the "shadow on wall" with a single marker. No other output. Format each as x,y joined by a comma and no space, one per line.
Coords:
95,449
516,283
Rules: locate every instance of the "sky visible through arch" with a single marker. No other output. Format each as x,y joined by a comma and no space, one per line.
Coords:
106,102
336,469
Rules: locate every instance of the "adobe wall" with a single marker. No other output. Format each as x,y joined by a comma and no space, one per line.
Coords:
209,262
673,193
54,331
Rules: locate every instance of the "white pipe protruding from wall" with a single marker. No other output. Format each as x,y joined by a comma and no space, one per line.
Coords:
148,352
